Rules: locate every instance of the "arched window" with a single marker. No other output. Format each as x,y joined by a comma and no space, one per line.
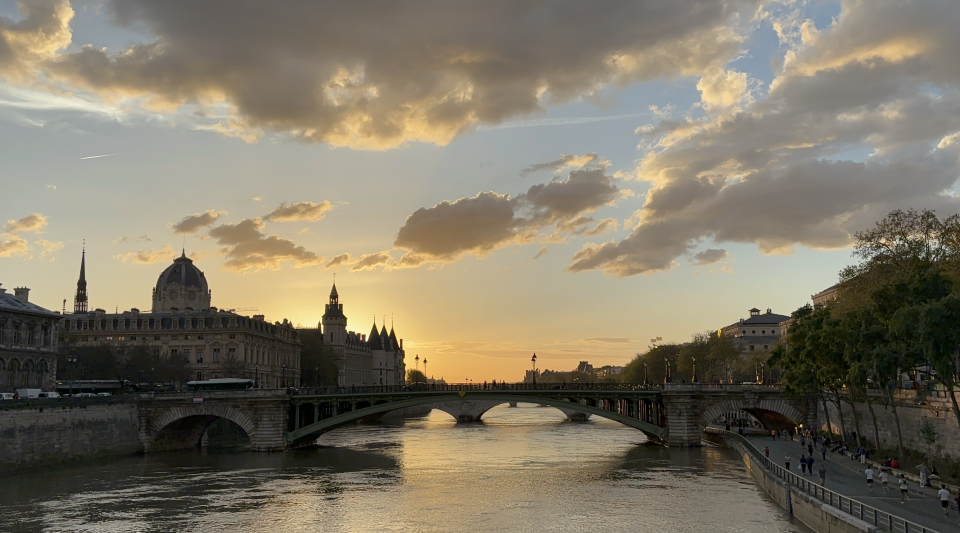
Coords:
27,374
42,370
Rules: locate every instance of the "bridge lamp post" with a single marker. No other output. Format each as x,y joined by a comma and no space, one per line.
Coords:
417,361
424,369
666,370
694,378
644,372
534,361
762,377
72,360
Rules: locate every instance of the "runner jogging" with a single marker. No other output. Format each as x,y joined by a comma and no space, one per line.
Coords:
903,488
869,473
945,499
884,479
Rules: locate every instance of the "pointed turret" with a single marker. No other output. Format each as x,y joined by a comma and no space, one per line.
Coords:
376,342
80,300
334,297
393,339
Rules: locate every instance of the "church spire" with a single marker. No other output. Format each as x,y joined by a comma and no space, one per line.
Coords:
80,300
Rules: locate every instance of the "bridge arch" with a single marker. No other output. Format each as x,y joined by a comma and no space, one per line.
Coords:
306,435
775,413
183,427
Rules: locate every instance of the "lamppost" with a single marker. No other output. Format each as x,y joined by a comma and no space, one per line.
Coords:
762,377
534,361
424,369
644,372
316,377
694,378
283,376
71,361
666,370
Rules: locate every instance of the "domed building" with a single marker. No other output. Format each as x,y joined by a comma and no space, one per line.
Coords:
181,286
215,343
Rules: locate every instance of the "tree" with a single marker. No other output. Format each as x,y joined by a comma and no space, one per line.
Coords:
415,376
654,358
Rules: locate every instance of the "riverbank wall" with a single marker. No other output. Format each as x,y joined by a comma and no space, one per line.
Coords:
36,433
926,421
814,513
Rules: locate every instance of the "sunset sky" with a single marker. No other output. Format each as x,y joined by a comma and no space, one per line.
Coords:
500,177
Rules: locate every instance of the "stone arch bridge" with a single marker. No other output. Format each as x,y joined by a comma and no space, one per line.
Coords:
672,415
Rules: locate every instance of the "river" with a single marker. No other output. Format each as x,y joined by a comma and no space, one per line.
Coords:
524,469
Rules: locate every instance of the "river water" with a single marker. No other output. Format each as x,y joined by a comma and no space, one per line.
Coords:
523,469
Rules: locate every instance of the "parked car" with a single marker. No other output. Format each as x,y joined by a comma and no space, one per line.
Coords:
6,395
48,395
84,395
104,394
28,393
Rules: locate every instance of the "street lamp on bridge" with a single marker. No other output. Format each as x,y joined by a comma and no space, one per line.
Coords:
666,370
644,372
534,361
694,378
417,361
424,369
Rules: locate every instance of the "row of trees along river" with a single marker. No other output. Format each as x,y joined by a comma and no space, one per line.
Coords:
897,311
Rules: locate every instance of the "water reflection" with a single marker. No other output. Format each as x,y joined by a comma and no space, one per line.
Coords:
524,469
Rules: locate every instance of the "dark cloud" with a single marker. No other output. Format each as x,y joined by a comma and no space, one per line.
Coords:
448,230
541,253
378,74
197,221
371,261
478,225
710,256
247,248
583,191
299,211
775,174
43,30
338,261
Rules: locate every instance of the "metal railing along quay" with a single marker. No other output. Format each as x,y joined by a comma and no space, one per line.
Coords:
853,507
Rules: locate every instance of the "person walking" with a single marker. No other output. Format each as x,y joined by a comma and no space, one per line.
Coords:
823,451
810,462
803,464
786,462
945,499
884,478
922,468
803,441
766,451
773,434
869,473
810,448
903,489
823,475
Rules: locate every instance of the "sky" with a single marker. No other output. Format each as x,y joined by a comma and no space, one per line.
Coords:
494,179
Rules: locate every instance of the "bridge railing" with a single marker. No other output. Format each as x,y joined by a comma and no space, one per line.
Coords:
867,513
456,387
722,386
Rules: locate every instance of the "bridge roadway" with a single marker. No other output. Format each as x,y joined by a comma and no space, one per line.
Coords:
673,414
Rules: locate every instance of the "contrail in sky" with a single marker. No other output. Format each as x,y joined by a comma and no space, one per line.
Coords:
96,156
559,121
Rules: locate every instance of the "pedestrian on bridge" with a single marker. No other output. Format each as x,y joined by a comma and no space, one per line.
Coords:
823,475
773,434
766,451
810,462
803,441
803,464
786,461
869,473
823,452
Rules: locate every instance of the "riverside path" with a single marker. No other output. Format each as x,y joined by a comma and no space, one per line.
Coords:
846,477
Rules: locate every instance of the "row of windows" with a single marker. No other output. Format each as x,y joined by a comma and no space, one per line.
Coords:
140,324
762,332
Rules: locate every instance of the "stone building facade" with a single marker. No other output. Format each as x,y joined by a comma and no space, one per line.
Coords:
759,333
28,343
376,359
214,342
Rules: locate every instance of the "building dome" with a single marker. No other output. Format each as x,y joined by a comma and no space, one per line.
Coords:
181,286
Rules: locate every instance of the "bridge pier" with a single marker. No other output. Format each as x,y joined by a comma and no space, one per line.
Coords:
682,411
466,411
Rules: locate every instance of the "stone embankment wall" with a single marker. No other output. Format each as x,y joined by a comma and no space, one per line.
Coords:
917,409
43,432
815,514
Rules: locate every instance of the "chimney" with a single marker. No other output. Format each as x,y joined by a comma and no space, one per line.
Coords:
22,294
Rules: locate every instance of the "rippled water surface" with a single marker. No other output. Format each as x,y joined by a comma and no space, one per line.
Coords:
524,469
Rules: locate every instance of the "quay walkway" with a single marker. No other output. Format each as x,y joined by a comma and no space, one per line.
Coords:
846,489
